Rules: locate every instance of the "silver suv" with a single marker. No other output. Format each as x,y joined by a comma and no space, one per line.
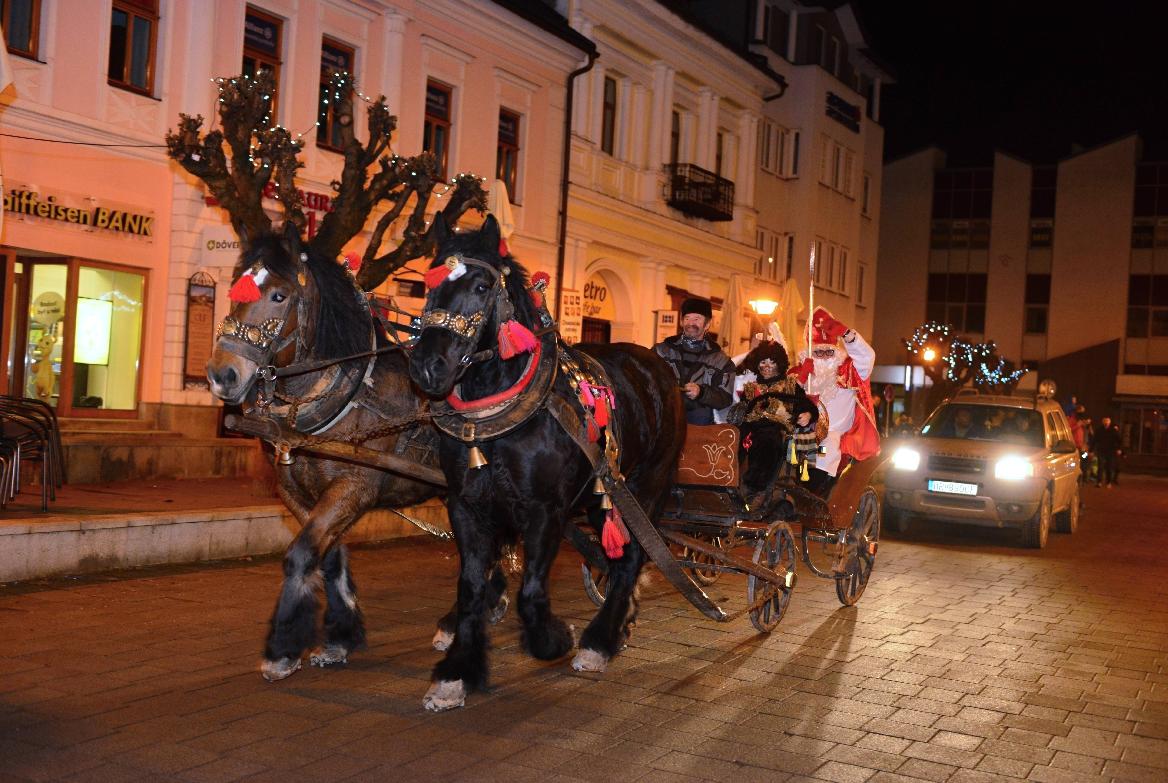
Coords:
995,461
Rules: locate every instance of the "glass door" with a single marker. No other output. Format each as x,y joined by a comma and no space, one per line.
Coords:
80,328
46,290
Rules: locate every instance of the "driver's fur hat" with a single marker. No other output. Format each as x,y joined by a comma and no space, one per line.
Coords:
699,306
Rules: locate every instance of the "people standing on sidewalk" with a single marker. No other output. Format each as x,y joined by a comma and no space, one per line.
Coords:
1108,449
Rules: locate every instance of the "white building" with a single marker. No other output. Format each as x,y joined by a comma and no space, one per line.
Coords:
786,120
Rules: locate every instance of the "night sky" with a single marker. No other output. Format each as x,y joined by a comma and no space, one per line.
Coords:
1029,78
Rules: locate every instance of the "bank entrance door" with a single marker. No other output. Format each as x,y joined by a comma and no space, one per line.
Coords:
76,329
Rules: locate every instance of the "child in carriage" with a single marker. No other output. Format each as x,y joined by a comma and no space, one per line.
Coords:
773,427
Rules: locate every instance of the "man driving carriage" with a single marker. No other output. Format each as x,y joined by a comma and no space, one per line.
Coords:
836,375
705,373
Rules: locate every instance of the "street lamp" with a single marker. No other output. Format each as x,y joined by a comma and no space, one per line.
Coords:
763,309
929,354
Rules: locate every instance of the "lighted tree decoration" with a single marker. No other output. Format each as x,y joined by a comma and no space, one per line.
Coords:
239,160
998,376
958,362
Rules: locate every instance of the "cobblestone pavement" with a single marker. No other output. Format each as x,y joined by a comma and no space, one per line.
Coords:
968,659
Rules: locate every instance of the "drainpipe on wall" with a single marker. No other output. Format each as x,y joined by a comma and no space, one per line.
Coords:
564,181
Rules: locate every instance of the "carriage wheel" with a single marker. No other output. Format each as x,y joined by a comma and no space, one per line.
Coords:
703,576
776,551
595,583
860,550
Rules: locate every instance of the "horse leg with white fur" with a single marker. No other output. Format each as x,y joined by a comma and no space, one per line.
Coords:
464,667
293,625
344,623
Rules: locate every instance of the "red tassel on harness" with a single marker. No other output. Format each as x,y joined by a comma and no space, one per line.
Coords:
514,339
436,275
614,535
600,412
245,290
593,431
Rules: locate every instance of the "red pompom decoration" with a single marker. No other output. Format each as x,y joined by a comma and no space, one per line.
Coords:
540,278
514,339
436,275
245,290
614,535
353,261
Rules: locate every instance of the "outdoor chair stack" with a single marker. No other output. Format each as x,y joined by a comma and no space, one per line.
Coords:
29,433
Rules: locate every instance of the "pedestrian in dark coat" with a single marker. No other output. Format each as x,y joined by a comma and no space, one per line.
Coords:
1108,448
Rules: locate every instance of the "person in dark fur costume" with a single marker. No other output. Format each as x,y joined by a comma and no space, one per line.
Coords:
769,424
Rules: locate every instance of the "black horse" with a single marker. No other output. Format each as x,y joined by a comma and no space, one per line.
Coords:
293,307
536,474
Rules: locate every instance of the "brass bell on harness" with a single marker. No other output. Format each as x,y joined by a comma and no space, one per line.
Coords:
598,487
605,502
284,454
476,459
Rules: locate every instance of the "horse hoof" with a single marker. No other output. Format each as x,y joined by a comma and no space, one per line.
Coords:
278,670
499,611
590,661
329,655
445,695
442,640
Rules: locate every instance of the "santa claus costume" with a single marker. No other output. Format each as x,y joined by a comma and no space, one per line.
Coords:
836,375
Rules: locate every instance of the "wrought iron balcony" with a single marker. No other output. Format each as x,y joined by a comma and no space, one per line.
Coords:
698,192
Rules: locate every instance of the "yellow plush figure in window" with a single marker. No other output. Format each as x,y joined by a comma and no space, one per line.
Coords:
42,368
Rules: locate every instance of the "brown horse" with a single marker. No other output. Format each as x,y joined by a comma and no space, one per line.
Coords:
291,307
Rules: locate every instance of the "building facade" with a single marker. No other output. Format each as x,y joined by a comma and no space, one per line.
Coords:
1063,266
116,268
776,103
710,147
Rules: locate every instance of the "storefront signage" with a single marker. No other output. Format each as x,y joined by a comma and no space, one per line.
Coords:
261,33
31,204
844,113
200,337
597,300
311,202
665,324
571,315
48,308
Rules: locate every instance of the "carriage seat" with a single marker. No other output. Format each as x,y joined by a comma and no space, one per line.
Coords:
710,456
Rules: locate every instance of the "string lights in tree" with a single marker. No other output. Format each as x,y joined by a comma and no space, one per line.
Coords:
247,153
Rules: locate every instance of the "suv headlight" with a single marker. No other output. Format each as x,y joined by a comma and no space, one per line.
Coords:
1013,468
905,458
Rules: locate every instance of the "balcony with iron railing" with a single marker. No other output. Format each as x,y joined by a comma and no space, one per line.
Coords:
700,193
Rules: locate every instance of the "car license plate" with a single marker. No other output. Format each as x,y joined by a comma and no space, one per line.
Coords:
954,487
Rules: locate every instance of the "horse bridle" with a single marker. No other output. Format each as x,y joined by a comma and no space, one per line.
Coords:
470,327
261,343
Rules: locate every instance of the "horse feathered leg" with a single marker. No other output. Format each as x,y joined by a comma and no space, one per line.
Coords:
344,622
293,625
545,636
605,636
464,667
496,599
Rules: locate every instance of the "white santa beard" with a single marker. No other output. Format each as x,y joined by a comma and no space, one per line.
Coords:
823,380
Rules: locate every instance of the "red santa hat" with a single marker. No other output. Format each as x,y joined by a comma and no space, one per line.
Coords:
825,329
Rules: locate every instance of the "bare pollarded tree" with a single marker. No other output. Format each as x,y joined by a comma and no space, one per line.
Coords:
247,152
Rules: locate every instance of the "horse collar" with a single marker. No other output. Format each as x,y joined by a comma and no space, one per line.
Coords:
499,414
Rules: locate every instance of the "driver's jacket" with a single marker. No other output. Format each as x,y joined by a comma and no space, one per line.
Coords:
708,367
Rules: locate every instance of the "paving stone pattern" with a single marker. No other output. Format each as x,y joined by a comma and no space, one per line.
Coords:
967,660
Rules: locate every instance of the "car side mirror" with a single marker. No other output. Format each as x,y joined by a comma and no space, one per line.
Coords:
1065,447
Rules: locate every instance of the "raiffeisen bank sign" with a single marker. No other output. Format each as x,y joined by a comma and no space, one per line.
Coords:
31,204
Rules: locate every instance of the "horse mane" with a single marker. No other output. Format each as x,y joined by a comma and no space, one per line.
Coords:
342,321
473,244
